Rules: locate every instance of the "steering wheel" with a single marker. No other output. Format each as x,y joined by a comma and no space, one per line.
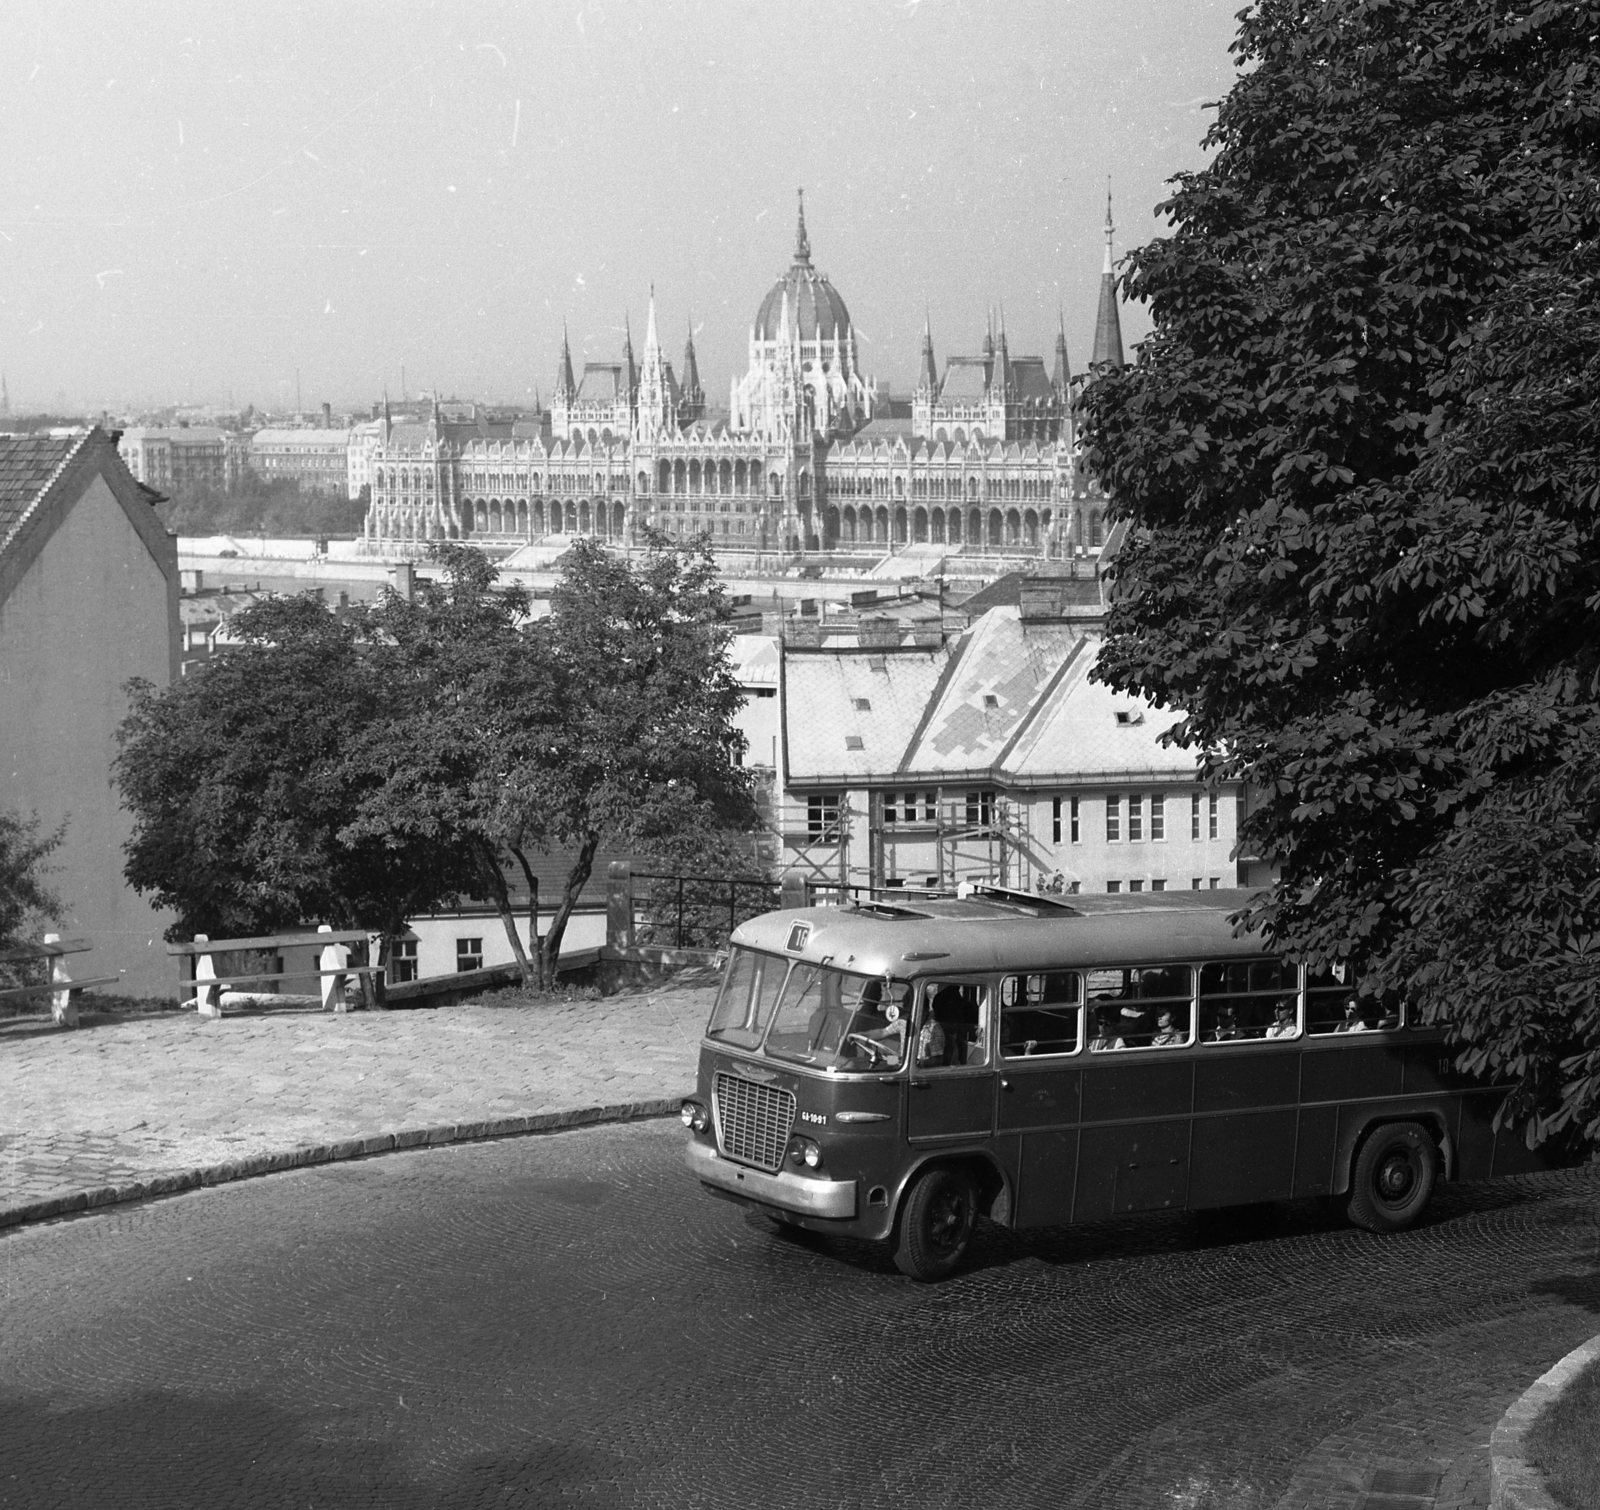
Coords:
875,1050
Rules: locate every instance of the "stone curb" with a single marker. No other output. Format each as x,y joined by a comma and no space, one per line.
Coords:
1515,1484
329,1153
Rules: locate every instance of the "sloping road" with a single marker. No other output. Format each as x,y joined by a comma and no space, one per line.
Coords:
570,1321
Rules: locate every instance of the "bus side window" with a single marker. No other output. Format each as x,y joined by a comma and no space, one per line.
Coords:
1334,1006
954,1028
1040,1014
1249,999
1140,1008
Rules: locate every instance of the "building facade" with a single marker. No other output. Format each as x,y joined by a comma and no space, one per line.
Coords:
182,456
88,600
317,459
804,461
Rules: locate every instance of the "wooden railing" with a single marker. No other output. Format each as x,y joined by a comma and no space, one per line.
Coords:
333,965
60,986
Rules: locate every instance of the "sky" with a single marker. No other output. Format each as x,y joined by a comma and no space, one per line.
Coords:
208,204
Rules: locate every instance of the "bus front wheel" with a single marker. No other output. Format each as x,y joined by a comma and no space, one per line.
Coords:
935,1224
1393,1177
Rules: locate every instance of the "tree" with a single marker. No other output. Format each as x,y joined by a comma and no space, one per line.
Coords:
643,752
470,700
241,788
1358,459
27,901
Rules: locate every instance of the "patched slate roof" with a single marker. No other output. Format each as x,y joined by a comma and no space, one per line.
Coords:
28,465
1080,734
999,669
828,735
1030,380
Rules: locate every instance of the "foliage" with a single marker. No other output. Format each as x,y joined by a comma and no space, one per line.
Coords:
1359,458
644,750
27,901
240,788
362,767
255,506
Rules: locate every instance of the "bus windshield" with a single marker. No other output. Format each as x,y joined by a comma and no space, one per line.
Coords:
841,1022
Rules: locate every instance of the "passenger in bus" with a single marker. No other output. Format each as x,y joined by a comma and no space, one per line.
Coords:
1226,1028
1105,1033
1283,1023
1390,1018
933,1044
1353,1021
1168,1034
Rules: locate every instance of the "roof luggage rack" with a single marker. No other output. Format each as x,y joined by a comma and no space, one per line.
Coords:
1037,905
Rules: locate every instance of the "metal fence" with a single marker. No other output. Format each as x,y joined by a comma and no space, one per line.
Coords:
696,912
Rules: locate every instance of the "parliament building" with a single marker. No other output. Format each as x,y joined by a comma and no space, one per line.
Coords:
805,459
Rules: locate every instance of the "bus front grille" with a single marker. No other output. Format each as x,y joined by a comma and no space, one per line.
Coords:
753,1121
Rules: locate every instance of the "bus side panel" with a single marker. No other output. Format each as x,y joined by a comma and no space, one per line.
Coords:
1049,1170
1513,1156
1475,1140
1316,1146
1126,1089
1244,1157
1333,1070
1234,1080
1035,1097
1140,1166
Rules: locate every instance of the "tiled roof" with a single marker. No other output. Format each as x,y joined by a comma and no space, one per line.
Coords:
1030,380
603,383
1000,668
963,381
829,733
1080,734
28,465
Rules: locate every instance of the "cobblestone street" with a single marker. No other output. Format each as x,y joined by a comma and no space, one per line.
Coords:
571,1320
122,1100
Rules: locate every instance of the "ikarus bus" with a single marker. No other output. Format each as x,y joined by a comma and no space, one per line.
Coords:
893,1072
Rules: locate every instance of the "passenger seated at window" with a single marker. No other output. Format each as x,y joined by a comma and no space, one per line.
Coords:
1168,1034
1105,1033
1283,1023
1354,1021
1226,1026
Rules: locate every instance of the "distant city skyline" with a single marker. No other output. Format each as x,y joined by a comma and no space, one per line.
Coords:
206,204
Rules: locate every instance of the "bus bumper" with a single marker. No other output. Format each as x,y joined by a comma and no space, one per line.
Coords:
790,1192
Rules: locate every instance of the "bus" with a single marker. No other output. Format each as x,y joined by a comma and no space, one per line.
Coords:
894,1071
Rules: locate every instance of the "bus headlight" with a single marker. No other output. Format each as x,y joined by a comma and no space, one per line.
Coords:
695,1117
805,1151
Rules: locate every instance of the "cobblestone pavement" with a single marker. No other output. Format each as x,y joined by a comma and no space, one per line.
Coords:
123,1100
571,1321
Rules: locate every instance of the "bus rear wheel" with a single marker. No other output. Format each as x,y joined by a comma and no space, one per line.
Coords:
935,1225
1393,1177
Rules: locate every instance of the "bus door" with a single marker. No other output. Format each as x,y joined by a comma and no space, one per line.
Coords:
950,1093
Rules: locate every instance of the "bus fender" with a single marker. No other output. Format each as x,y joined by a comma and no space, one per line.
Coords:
994,1189
1429,1117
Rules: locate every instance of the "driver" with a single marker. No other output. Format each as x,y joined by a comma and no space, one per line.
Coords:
880,1026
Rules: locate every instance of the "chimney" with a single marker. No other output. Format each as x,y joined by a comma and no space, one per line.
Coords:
327,416
400,580
1040,600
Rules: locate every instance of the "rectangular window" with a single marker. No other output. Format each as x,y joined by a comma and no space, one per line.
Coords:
1158,816
822,816
1249,999
980,809
1074,822
1197,883
910,807
891,808
1158,886
1113,819
469,954
1135,819
1194,821
1215,882
930,806
1135,885
402,961
1113,885
1140,1008
1040,1014
1213,817
1055,821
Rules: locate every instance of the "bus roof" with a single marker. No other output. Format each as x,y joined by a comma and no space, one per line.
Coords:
1009,931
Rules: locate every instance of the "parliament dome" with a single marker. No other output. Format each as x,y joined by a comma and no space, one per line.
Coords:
815,309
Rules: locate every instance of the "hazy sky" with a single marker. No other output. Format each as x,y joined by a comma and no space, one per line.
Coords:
202,198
